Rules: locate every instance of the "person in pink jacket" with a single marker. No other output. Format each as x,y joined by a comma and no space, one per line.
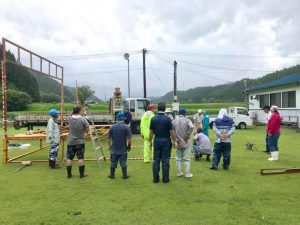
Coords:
273,129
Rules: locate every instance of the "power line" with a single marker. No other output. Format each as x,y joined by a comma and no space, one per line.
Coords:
197,72
102,72
216,67
90,56
220,55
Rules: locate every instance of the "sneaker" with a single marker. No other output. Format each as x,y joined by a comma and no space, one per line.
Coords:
179,175
189,175
111,177
207,159
213,168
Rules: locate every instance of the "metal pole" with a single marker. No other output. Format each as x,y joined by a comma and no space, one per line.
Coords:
62,97
4,102
128,80
76,92
144,72
175,81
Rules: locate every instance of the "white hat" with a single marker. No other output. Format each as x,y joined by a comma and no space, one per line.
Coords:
200,111
168,110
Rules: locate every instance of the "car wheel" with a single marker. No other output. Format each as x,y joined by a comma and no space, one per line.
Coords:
242,126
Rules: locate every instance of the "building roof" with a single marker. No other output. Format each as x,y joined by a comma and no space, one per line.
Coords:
292,79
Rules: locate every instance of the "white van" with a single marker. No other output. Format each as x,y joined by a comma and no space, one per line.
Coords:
240,116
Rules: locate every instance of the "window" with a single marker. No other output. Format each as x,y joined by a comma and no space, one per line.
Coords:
143,104
275,99
242,112
132,106
126,105
289,99
264,100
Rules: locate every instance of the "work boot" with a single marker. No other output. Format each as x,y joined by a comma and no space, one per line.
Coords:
208,158
187,169
53,165
81,171
69,171
124,172
112,173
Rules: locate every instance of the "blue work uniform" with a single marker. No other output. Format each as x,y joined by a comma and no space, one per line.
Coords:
119,133
161,125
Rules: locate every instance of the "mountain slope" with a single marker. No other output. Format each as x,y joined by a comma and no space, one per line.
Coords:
230,92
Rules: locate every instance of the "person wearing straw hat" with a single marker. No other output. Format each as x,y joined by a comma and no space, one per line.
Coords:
119,141
53,138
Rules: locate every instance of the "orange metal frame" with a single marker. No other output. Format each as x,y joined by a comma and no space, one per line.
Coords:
57,76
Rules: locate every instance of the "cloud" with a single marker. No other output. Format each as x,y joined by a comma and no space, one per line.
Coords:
212,29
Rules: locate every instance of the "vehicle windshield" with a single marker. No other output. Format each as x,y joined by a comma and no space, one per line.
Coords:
143,104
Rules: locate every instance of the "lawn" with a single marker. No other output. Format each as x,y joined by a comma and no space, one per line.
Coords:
38,195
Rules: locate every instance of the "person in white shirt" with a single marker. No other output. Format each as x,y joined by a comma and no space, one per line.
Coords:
268,113
202,145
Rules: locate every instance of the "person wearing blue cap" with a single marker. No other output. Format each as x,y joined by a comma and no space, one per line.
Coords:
53,138
119,141
183,129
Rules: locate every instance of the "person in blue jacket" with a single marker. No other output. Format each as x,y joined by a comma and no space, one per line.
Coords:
223,127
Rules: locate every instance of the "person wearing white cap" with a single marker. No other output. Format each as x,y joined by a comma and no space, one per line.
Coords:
53,138
198,120
273,129
168,112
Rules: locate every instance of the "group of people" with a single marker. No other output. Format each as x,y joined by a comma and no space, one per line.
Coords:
159,132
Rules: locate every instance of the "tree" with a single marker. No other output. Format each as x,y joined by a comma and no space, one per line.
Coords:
84,92
50,98
17,100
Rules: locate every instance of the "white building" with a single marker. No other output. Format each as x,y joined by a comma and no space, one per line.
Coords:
284,93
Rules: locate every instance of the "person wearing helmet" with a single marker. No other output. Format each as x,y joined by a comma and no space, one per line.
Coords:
145,126
53,138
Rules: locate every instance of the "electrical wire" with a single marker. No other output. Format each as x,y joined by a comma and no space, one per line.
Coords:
214,67
220,55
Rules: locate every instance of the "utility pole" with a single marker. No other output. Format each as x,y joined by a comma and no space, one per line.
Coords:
175,82
144,72
77,96
175,104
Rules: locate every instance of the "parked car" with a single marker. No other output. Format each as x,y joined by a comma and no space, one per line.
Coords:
240,116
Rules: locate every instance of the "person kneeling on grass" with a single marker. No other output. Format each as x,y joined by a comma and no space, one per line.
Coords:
223,127
202,145
119,140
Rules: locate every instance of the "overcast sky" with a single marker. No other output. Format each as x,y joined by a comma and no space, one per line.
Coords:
213,41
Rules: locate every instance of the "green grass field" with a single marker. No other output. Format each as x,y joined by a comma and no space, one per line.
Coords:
38,195
211,108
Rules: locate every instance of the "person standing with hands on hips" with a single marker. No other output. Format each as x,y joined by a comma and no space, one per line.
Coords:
161,127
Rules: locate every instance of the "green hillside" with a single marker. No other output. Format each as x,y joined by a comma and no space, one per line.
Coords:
230,92
20,79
